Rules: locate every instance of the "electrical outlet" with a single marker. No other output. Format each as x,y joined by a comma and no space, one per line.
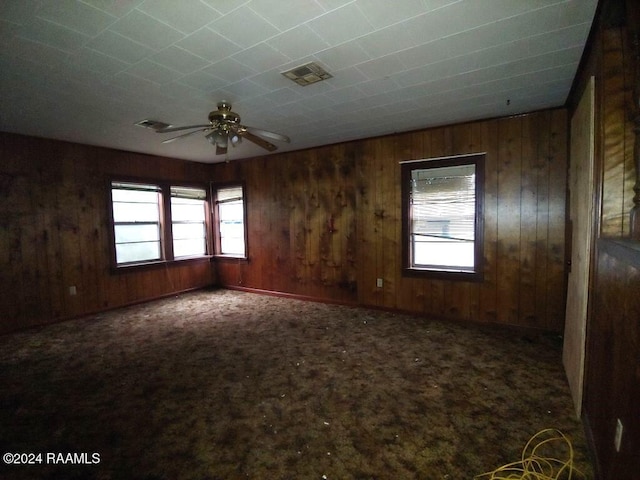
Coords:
618,438
72,290
379,283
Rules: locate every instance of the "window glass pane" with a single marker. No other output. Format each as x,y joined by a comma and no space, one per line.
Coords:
184,212
137,252
137,233
136,212
231,212
188,230
442,253
232,245
189,247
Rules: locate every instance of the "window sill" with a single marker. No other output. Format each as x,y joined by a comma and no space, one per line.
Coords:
118,269
454,275
230,258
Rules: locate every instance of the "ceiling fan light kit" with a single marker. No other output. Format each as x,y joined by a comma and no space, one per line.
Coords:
224,127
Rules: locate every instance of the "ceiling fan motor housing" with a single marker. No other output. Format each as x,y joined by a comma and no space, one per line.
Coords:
224,114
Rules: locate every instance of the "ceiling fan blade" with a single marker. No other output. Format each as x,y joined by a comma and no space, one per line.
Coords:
169,140
220,150
258,141
268,134
176,129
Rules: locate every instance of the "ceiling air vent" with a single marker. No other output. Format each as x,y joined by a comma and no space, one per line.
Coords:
152,124
307,74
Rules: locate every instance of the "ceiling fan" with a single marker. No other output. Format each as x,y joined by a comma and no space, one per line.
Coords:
224,128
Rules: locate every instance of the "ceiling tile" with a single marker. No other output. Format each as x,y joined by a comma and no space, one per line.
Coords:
97,62
208,44
36,52
143,29
117,46
347,77
341,25
272,79
18,12
118,8
203,81
333,4
343,56
230,70
298,42
76,16
225,6
379,86
282,16
179,60
254,29
186,16
381,67
343,95
243,89
285,95
154,72
131,83
569,37
54,35
382,13
261,57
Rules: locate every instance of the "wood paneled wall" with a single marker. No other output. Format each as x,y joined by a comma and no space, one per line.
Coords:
612,383
54,231
326,222
612,370
616,86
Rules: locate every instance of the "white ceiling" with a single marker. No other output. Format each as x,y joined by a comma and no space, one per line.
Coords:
86,71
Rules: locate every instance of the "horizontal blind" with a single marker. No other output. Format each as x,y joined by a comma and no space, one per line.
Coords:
443,203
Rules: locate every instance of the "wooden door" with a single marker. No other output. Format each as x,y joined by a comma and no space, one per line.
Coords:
581,215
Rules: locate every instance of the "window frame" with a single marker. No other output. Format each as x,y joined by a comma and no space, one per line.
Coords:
215,186
166,224
475,275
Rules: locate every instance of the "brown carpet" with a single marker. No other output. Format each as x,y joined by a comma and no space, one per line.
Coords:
230,385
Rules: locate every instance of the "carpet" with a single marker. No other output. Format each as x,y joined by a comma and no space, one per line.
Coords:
220,384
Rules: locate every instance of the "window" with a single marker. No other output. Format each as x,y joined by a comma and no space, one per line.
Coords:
188,225
230,214
142,214
136,222
442,217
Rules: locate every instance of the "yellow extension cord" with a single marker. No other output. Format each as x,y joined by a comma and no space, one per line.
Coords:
534,466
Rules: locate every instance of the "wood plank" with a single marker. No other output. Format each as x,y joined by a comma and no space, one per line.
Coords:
366,226
528,227
390,222
613,111
509,204
489,288
410,295
556,267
